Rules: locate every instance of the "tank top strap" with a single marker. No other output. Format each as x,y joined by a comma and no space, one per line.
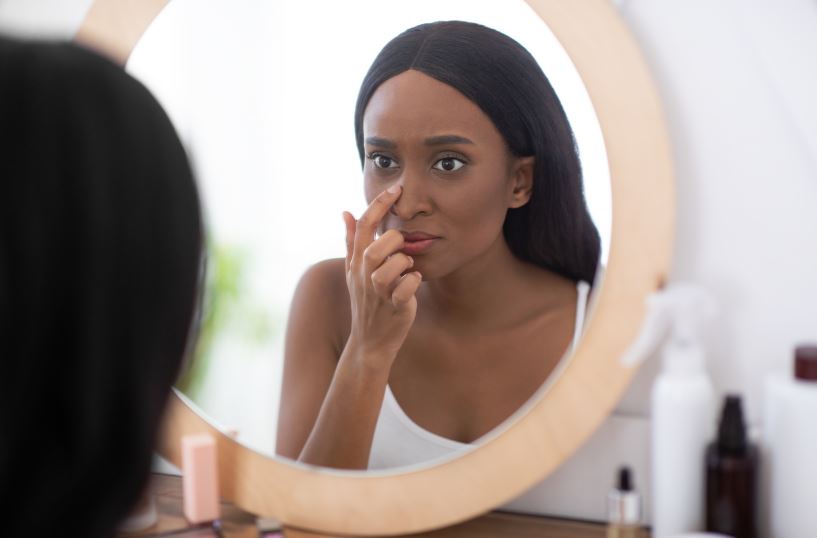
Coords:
582,291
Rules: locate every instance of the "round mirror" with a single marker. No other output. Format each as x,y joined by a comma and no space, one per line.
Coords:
568,402
263,95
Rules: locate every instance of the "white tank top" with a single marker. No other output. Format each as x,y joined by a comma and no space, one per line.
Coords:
399,441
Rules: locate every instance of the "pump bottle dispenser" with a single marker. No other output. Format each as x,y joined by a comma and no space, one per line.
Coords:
790,451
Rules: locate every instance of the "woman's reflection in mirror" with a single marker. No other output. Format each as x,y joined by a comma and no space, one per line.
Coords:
465,279
100,242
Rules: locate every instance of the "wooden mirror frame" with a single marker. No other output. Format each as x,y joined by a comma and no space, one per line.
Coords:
629,111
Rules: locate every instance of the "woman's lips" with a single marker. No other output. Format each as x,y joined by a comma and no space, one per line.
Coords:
417,242
412,248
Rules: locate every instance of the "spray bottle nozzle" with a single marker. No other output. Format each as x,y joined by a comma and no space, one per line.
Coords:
677,315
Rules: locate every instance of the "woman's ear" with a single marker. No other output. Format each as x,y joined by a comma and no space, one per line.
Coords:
521,181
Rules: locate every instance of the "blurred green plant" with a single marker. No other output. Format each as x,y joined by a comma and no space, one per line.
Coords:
227,307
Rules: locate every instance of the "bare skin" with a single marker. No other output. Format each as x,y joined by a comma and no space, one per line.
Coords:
461,330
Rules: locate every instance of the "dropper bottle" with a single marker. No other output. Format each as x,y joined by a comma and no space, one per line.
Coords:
623,508
731,476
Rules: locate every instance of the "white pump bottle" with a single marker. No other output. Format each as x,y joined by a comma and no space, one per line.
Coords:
683,406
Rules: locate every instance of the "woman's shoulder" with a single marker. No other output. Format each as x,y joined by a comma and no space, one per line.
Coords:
325,282
323,293
326,273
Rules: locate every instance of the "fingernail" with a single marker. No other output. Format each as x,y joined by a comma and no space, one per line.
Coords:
419,275
411,261
394,189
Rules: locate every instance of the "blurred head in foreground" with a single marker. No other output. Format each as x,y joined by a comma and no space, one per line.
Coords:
100,248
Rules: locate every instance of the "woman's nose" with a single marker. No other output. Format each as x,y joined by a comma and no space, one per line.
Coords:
414,199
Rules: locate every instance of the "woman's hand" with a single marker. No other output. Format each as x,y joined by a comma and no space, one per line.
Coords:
382,297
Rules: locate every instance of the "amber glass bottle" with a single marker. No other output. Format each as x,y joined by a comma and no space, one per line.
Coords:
731,476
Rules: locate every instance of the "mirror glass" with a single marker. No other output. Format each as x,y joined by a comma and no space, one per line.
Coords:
263,96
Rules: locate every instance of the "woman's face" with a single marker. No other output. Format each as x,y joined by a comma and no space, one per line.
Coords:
457,174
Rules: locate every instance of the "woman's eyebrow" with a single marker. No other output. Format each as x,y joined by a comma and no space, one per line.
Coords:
381,142
446,139
439,140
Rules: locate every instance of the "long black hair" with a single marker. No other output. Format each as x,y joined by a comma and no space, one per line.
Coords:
554,229
100,247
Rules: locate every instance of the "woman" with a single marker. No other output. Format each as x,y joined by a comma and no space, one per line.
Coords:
100,248
464,277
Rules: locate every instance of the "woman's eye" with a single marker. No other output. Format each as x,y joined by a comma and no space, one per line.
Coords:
382,161
449,164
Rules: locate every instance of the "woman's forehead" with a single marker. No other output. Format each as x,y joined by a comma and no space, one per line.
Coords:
413,105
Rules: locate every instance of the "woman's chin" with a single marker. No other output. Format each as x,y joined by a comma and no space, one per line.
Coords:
428,269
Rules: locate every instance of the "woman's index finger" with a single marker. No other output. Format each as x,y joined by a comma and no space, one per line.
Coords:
350,222
368,222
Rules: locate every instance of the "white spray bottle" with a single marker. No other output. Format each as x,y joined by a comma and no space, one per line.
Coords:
683,406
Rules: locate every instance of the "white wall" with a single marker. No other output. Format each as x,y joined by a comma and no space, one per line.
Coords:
51,19
739,81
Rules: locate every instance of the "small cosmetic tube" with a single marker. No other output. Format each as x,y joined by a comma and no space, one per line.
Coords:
200,478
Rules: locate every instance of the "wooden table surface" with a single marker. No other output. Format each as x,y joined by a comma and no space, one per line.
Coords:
236,523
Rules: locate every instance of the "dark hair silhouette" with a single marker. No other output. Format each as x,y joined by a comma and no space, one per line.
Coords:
100,247
554,229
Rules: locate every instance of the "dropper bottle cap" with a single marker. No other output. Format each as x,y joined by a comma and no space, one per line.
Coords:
732,429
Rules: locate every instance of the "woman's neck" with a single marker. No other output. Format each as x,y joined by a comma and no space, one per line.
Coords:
492,291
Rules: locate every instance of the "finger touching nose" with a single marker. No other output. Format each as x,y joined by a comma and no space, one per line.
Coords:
413,199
